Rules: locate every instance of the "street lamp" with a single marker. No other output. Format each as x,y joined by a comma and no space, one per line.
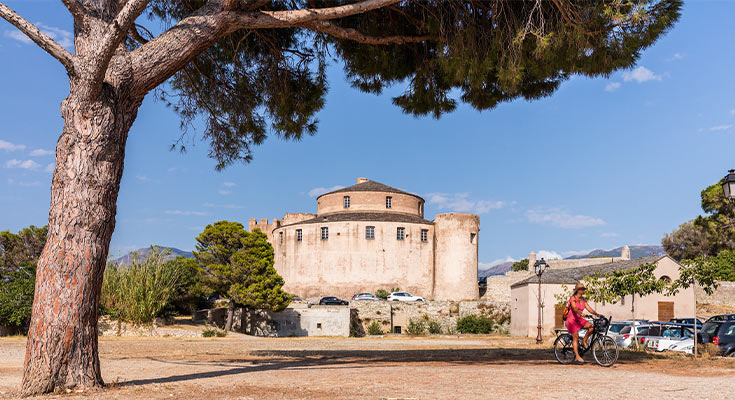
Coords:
539,267
728,185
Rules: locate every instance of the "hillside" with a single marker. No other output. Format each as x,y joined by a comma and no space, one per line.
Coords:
635,252
127,259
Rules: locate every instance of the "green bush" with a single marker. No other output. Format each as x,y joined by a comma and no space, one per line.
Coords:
213,332
140,292
416,328
475,324
375,329
435,327
520,265
382,294
16,297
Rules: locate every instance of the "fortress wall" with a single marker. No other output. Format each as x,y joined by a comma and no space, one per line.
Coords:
370,202
347,263
457,235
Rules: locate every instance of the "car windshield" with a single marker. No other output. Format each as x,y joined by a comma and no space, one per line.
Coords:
710,328
617,328
671,332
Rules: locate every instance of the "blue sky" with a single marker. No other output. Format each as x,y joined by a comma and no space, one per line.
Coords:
600,164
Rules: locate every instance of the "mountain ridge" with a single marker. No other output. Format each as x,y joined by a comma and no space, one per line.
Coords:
142,253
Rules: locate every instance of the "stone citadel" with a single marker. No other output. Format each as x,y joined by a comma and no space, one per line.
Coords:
371,236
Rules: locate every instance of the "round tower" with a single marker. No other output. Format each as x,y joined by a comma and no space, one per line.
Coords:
455,256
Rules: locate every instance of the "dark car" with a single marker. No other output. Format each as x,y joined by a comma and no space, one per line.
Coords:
724,317
687,321
721,333
332,301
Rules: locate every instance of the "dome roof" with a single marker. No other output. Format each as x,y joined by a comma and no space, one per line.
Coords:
371,186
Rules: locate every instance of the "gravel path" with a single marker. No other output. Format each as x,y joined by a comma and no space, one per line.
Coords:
242,367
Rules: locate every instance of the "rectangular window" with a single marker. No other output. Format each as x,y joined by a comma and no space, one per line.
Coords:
325,233
347,201
401,233
280,237
424,235
473,236
388,202
299,235
369,232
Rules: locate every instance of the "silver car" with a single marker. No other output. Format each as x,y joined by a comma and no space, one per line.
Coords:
624,337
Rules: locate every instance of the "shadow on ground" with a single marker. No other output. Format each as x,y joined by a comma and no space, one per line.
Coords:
270,360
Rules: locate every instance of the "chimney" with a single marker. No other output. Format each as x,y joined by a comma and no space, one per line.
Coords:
361,180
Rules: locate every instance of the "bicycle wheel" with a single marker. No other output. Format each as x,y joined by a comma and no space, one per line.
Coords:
605,351
563,349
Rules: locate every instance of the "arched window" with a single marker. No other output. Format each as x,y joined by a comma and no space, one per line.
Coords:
665,278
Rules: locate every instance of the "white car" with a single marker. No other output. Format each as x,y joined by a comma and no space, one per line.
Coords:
404,296
684,346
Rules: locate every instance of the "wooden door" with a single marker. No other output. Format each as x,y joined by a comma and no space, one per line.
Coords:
665,310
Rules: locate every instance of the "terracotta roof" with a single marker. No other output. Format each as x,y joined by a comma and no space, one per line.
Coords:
365,217
371,186
574,275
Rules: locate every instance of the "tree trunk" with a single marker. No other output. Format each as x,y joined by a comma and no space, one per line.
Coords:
61,352
635,327
230,315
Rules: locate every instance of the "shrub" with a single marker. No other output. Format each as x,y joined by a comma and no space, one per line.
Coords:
435,327
382,294
416,328
16,297
213,332
139,292
520,265
375,329
475,324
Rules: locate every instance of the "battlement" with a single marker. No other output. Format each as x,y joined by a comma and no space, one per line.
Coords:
264,226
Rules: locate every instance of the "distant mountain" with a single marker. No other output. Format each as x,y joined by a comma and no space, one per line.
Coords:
635,252
498,269
142,253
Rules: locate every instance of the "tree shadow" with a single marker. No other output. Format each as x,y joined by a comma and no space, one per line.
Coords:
270,360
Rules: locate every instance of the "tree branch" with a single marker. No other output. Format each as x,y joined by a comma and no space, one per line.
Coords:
353,34
119,29
160,58
75,8
40,38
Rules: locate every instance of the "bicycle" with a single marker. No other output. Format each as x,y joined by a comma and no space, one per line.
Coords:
604,348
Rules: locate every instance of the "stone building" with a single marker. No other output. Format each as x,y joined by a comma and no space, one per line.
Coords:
654,307
371,236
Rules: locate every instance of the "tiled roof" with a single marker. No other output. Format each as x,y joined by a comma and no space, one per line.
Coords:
574,275
371,186
366,217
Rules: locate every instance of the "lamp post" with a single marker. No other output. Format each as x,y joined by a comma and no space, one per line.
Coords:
728,185
539,267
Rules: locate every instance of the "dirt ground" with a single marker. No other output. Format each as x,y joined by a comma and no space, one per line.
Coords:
243,367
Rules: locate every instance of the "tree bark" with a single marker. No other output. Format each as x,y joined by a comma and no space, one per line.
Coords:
230,315
61,351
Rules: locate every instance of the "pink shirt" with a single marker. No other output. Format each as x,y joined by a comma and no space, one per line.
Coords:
576,322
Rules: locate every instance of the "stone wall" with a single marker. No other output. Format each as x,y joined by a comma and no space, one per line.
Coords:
723,296
498,286
398,314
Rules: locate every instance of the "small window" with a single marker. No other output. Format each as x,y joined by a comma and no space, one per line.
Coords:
280,237
318,325
347,201
424,235
388,202
401,233
665,278
473,238
369,232
325,233
299,235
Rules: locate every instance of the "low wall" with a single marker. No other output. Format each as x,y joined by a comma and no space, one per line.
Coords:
398,314
723,296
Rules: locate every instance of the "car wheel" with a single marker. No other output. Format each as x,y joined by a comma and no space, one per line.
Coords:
732,354
395,299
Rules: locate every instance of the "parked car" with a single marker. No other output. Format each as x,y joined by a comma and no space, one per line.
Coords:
625,337
721,333
724,317
616,327
688,321
661,336
683,346
365,296
404,296
296,298
332,301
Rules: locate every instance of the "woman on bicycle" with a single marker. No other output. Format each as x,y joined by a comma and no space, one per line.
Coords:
575,321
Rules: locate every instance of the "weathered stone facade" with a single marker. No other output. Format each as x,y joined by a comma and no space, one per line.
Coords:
370,236
723,296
